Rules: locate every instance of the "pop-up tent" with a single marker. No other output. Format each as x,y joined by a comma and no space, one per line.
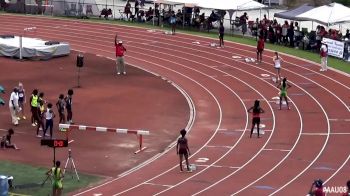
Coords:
291,14
230,4
331,14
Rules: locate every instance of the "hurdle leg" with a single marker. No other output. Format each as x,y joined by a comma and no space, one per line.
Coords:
140,143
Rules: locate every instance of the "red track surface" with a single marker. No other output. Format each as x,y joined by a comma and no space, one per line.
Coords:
309,141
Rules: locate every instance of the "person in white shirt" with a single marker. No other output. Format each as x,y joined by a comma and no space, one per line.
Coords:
49,115
13,105
324,54
277,65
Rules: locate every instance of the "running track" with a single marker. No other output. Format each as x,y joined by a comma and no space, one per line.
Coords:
309,141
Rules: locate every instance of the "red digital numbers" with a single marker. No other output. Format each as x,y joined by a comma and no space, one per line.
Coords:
58,143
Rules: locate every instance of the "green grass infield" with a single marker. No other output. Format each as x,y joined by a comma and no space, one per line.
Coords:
28,179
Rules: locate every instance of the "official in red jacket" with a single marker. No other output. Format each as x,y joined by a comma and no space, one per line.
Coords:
119,53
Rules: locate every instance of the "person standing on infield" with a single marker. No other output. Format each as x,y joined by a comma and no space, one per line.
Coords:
260,48
21,98
57,176
221,34
283,94
119,53
256,110
60,104
183,150
13,105
69,104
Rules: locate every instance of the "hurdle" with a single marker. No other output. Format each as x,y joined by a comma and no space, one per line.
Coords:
138,133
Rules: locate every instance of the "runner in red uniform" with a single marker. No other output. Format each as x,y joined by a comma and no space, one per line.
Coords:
256,110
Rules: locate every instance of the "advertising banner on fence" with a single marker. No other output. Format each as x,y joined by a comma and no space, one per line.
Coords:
335,48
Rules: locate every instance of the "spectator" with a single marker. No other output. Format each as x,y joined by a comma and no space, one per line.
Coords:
290,33
173,22
6,140
127,9
221,34
347,35
324,54
259,49
243,20
317,188
279,33
271,35
285,28
105,13
137,8
13,105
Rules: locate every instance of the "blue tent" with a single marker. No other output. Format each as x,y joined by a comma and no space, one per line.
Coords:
290,14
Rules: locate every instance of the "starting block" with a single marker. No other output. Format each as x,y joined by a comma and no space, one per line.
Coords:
248,60
213,44
261,129
168,32
277,100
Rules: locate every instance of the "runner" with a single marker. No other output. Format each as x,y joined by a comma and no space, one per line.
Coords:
6,140
57,175
277,65
317,188
256,110
283,94
61,104
260,48
183,150
21,99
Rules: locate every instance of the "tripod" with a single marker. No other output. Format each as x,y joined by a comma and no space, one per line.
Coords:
72,165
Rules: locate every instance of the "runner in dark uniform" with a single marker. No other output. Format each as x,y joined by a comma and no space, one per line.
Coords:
256,110
21,99
6,140
61,104
183,150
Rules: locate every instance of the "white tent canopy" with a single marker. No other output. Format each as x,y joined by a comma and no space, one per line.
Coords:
331,14
230,4
220,4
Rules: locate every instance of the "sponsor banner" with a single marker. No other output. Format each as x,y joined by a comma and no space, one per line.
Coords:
335,48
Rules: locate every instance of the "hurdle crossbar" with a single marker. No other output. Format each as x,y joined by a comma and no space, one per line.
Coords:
138,133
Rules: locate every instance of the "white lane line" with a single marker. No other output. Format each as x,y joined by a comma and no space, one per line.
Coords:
70,141
209,146
155,184
5,130
335,173
273,149
217,166
316,134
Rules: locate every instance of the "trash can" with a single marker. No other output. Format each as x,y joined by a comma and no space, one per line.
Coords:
4,188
